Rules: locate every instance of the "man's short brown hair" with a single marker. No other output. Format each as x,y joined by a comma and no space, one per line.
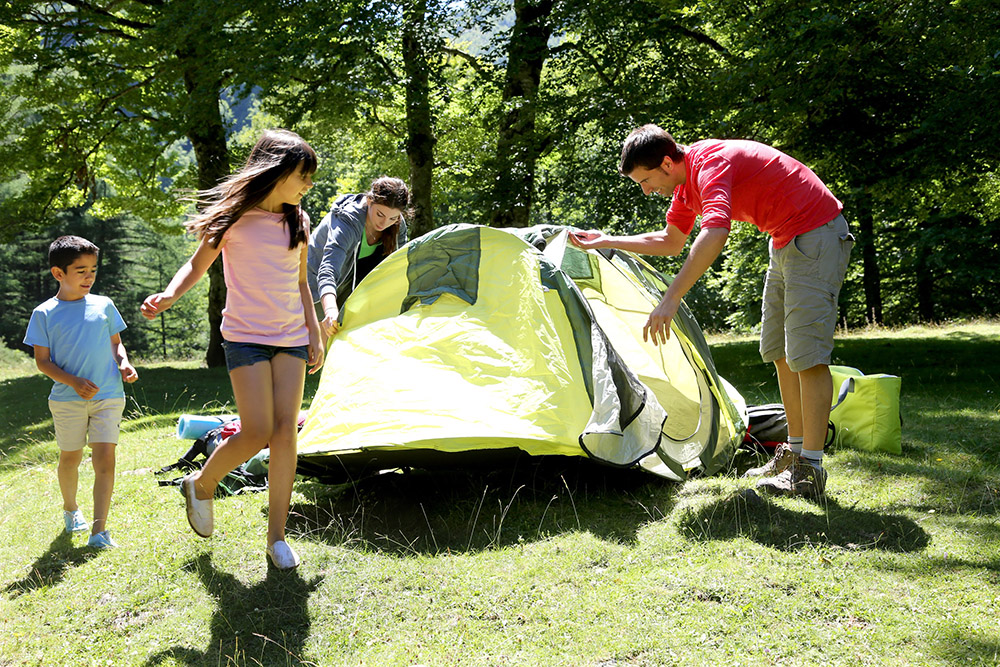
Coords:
646,147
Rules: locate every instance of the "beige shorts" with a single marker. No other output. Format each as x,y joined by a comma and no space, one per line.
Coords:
80,422
799,313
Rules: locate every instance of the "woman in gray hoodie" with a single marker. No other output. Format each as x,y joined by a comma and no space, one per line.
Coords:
358,232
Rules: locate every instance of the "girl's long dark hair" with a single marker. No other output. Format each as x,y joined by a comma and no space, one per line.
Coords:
276,154
391,192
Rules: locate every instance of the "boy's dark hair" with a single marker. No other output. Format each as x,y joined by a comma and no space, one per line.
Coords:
646,147
65,249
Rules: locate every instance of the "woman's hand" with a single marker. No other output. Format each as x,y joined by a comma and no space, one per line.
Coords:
329,325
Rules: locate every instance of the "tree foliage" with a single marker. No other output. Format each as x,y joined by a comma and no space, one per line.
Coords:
512,113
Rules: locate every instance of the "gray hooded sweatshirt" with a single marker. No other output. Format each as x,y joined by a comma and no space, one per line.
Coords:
334,245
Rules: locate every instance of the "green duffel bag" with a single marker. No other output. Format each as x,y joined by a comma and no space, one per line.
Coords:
866,410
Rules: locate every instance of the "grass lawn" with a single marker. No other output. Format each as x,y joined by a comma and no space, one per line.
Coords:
551,562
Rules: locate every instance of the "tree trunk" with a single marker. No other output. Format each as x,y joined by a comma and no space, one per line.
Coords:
207,134
872,278
924,275
419,123
518,146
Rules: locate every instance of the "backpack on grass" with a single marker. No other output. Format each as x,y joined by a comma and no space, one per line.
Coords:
767,427
247,477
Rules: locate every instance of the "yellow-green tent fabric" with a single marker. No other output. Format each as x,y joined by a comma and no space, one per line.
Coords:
472,341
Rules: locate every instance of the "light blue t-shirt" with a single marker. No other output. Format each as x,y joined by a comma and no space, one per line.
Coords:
78,335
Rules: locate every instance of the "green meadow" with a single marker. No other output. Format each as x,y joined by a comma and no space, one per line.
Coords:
541,562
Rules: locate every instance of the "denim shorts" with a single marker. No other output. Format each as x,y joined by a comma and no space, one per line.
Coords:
248,354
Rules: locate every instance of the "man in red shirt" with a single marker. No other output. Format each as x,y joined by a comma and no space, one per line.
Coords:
726,180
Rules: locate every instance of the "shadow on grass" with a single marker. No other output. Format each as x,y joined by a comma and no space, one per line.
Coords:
431,512
963,361
161,394
25,411
50,568
961,646
263,624
773,524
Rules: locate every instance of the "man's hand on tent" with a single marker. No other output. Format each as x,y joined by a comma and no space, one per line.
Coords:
589,240
658,324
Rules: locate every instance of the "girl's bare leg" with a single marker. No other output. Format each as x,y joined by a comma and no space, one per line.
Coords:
254,394
288,377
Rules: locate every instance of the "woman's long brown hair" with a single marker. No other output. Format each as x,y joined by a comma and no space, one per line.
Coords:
276,154
391,192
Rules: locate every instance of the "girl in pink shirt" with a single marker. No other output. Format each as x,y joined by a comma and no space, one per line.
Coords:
254,220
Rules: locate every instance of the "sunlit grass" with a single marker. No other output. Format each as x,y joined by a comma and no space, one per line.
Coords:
554,562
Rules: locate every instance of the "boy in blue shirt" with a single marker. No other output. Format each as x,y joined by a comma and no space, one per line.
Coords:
75,335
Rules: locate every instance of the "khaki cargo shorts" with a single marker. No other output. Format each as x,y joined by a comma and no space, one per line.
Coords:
80,422
799,313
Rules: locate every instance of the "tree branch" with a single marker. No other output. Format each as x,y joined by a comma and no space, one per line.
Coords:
698,37
388,128
386,66
63,27
575,46
98,11
469,58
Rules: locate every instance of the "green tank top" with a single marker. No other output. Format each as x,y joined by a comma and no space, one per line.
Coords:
365,248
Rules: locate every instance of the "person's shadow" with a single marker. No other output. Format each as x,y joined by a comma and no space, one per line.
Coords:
50,568
755,517
266,623
481,506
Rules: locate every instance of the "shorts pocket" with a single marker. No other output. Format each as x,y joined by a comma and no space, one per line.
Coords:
809,245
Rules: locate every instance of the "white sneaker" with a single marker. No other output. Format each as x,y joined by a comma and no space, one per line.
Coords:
282,556
199,512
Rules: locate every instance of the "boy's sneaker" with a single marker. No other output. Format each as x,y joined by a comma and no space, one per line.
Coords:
74,521
102,540
783,459
199,512
802,479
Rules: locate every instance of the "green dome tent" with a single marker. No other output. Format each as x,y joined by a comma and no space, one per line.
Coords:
471,343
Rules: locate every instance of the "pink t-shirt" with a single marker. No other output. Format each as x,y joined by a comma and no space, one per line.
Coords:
743,180
263,302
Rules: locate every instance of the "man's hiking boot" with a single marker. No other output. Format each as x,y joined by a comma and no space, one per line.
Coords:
802,479
782,460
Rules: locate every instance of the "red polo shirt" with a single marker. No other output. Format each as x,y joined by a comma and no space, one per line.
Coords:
744,180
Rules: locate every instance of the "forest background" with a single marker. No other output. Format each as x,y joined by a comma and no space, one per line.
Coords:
504,114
